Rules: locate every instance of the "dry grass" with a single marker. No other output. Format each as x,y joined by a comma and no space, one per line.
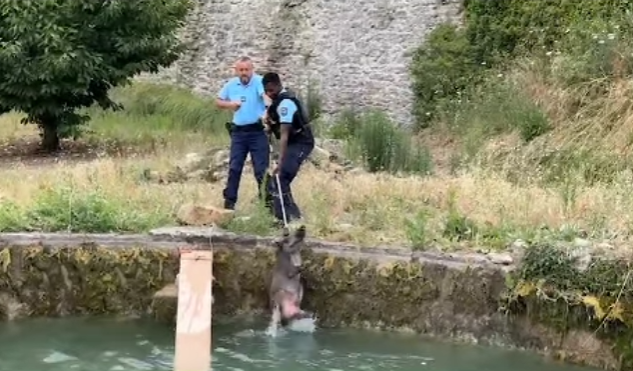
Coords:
12,130
597,114
363,208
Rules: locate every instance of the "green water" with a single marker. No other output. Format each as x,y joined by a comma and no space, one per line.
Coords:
111,345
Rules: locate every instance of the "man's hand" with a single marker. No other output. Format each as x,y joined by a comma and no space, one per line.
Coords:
275,170
226,104
235,105
267,100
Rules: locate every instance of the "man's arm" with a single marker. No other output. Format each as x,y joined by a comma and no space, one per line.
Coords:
262,93
286,111
223,101
267,102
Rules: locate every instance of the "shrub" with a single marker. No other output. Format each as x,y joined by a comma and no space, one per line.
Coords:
504,28
442,68
384,147
595,50
495,32
346,125
12,218
494,108
313,101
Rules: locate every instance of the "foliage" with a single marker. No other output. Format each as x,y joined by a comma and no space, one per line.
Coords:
64,208
313,101
500,28
417,230
57,56
496,31
171,109
443,67
494,107
560,288
382,146
346,126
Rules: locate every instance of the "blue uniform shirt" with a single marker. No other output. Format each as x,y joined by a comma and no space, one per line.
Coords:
286,111
250,95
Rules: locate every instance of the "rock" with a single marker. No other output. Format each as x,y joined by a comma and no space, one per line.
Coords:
344,227
518,244
221,158
334,147
604,249
10,308
517,249
335,168
211,166
328,155
320,157
582,243
500,258
201,215
194,161
581,255
169,291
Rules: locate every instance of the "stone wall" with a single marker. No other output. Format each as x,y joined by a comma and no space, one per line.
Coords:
356,54
464,296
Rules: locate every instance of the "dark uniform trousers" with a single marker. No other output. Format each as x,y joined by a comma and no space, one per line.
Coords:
296,153
248,139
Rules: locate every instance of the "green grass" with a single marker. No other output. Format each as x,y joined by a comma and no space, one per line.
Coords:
155,116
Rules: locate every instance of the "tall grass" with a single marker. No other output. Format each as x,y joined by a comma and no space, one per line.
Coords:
156,114
494,108
380,144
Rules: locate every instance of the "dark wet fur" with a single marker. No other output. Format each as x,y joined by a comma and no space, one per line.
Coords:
286,274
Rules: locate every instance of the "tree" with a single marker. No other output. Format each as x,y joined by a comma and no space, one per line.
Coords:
57,56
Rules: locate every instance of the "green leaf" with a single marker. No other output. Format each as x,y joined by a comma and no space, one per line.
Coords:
57,56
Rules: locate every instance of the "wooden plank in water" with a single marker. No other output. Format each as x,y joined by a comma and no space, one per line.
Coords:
193,324
169,291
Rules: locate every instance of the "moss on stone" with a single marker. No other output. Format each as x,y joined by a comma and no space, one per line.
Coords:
430,297
61,281
552,289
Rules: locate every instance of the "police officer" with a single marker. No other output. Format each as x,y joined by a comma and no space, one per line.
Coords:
244,95
290,124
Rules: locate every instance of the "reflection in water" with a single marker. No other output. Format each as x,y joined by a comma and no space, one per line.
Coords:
91,344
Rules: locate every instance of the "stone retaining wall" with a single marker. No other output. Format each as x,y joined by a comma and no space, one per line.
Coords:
356,55
461,296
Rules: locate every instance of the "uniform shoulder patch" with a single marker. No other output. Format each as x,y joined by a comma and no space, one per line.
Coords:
284,111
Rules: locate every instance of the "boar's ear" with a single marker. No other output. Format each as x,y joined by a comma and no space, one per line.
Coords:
300,234
283,240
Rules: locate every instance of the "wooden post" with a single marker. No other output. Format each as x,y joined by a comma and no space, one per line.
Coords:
193,326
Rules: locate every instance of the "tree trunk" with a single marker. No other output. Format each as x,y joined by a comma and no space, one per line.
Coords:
50,138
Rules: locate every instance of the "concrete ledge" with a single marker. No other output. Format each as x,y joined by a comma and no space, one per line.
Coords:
463,296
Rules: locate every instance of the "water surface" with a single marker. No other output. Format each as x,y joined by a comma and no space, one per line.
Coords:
104,344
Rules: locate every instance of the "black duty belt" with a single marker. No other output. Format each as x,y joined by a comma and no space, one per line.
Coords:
256,126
